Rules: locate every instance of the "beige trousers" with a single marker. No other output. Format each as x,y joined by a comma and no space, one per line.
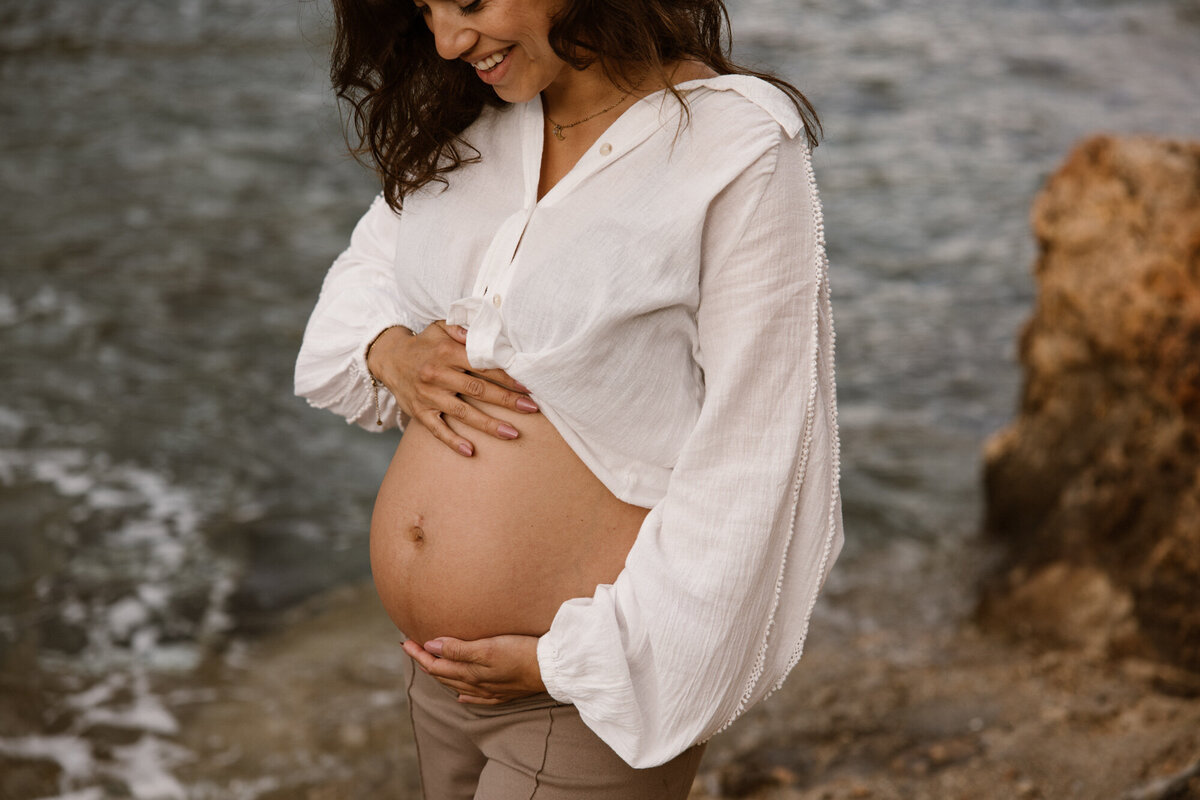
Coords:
534,748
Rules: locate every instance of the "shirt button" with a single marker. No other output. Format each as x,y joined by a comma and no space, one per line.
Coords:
496,300
605,149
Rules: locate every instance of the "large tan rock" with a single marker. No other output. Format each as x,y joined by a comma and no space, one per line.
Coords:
1101,470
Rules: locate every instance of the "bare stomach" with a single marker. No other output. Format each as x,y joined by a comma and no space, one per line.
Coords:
492,544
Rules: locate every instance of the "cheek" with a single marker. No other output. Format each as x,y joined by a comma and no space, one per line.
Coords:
542,57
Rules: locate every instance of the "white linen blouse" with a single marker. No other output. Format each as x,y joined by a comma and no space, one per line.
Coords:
667,305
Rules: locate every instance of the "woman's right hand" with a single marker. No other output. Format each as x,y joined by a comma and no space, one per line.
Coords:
429,376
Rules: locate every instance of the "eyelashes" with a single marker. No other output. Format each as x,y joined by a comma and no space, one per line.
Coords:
470,8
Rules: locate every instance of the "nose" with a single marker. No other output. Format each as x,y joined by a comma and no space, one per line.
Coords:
451,35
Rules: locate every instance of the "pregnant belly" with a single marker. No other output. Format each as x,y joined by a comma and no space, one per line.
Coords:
492,544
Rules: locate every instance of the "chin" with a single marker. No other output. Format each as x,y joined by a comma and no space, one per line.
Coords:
515,95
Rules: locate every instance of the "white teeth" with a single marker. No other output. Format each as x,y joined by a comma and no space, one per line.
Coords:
490,61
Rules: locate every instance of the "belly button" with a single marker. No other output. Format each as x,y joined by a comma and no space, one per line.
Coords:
416,533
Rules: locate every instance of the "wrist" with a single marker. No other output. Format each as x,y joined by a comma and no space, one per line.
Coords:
533,673
373,371
375,354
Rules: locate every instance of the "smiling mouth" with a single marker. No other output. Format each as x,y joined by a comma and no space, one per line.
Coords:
492,61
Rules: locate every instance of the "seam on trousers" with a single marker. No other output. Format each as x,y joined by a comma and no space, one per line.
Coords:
412,676
537,776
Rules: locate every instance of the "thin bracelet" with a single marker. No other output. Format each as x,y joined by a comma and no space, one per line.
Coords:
374,381
375,393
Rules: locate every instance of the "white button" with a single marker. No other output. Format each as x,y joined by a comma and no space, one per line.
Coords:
605,149
496,300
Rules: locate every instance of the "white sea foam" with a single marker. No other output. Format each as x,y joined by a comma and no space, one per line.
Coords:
125,615
144,767
99,693
73,755
124,701
155,597
144,713
93,793
125,526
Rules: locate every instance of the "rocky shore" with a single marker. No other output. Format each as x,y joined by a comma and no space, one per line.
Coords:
1095,489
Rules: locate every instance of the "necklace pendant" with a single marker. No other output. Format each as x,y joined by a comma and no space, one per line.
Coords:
558,133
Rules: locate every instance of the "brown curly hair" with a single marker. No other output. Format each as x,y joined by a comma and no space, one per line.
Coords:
409,107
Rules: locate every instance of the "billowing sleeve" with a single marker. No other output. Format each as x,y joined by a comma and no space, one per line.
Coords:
711,610
359,300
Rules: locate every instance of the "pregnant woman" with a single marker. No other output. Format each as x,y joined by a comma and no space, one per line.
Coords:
594,290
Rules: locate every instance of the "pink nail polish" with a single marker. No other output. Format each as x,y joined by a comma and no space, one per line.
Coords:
520,387
506,431
525,404
433,646
465,449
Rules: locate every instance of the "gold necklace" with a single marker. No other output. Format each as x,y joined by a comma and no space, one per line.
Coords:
558,129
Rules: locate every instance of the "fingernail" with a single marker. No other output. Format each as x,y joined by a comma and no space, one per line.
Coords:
506,431
525,404
520,387
434,647
465,449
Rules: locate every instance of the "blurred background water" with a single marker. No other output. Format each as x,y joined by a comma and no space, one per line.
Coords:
174,185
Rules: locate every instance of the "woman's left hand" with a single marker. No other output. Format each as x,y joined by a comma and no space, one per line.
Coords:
483,671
